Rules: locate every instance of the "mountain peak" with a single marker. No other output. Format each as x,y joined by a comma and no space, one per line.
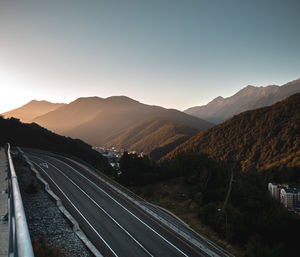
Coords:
217,100
248,89
33,102
121,99
32,109
110,99
87,99
248,98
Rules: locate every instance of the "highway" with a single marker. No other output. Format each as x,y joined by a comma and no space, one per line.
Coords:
112,223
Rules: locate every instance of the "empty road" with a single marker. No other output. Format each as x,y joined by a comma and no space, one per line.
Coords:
114,225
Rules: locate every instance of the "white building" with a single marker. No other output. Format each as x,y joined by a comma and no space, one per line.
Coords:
275,190
290,197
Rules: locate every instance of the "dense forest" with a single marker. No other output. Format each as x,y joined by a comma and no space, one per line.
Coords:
34,136
261,139
251,222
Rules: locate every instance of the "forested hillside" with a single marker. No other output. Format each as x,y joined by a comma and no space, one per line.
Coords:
34,136
156,137
194,187
258,140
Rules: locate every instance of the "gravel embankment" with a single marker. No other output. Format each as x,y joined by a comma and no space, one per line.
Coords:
43,217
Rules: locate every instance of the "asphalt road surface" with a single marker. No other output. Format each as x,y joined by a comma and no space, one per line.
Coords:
114,225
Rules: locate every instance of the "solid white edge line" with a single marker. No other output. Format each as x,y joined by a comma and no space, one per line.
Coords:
116,222
77,210
166,240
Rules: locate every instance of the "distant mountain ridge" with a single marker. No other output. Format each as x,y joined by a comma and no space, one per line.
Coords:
248,98
31,110
259,139
121,122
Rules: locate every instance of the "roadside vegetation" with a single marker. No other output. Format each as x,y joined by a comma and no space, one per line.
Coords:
194,187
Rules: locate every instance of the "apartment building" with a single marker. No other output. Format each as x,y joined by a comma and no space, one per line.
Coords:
289,197
275,190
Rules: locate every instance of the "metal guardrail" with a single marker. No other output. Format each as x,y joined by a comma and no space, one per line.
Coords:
19,238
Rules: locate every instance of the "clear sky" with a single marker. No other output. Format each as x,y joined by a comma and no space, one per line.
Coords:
172,53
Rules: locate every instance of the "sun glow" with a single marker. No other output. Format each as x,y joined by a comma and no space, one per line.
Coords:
14,90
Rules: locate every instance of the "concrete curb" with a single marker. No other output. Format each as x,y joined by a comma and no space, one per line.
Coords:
170,213
75,225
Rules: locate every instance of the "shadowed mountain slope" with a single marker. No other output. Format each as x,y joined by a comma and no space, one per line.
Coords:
34,136
101,121
259,139
31,110
249,98
156,137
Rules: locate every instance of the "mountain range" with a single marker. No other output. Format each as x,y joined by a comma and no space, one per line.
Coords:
249,98
259,139
125,123
121,122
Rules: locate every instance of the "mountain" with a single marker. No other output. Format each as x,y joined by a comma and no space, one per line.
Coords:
259,139
114,120
156,137
34,136
249,98
31,110
72,114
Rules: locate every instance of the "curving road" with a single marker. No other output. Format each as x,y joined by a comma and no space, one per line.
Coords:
114,225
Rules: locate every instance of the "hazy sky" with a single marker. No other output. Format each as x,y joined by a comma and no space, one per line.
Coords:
171,53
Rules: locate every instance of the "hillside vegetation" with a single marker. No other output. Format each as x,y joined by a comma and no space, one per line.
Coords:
156,137
194,187
258,140
34,136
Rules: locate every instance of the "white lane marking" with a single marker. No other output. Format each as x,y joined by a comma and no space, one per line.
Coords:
77,210
116,222
44,164
166,240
